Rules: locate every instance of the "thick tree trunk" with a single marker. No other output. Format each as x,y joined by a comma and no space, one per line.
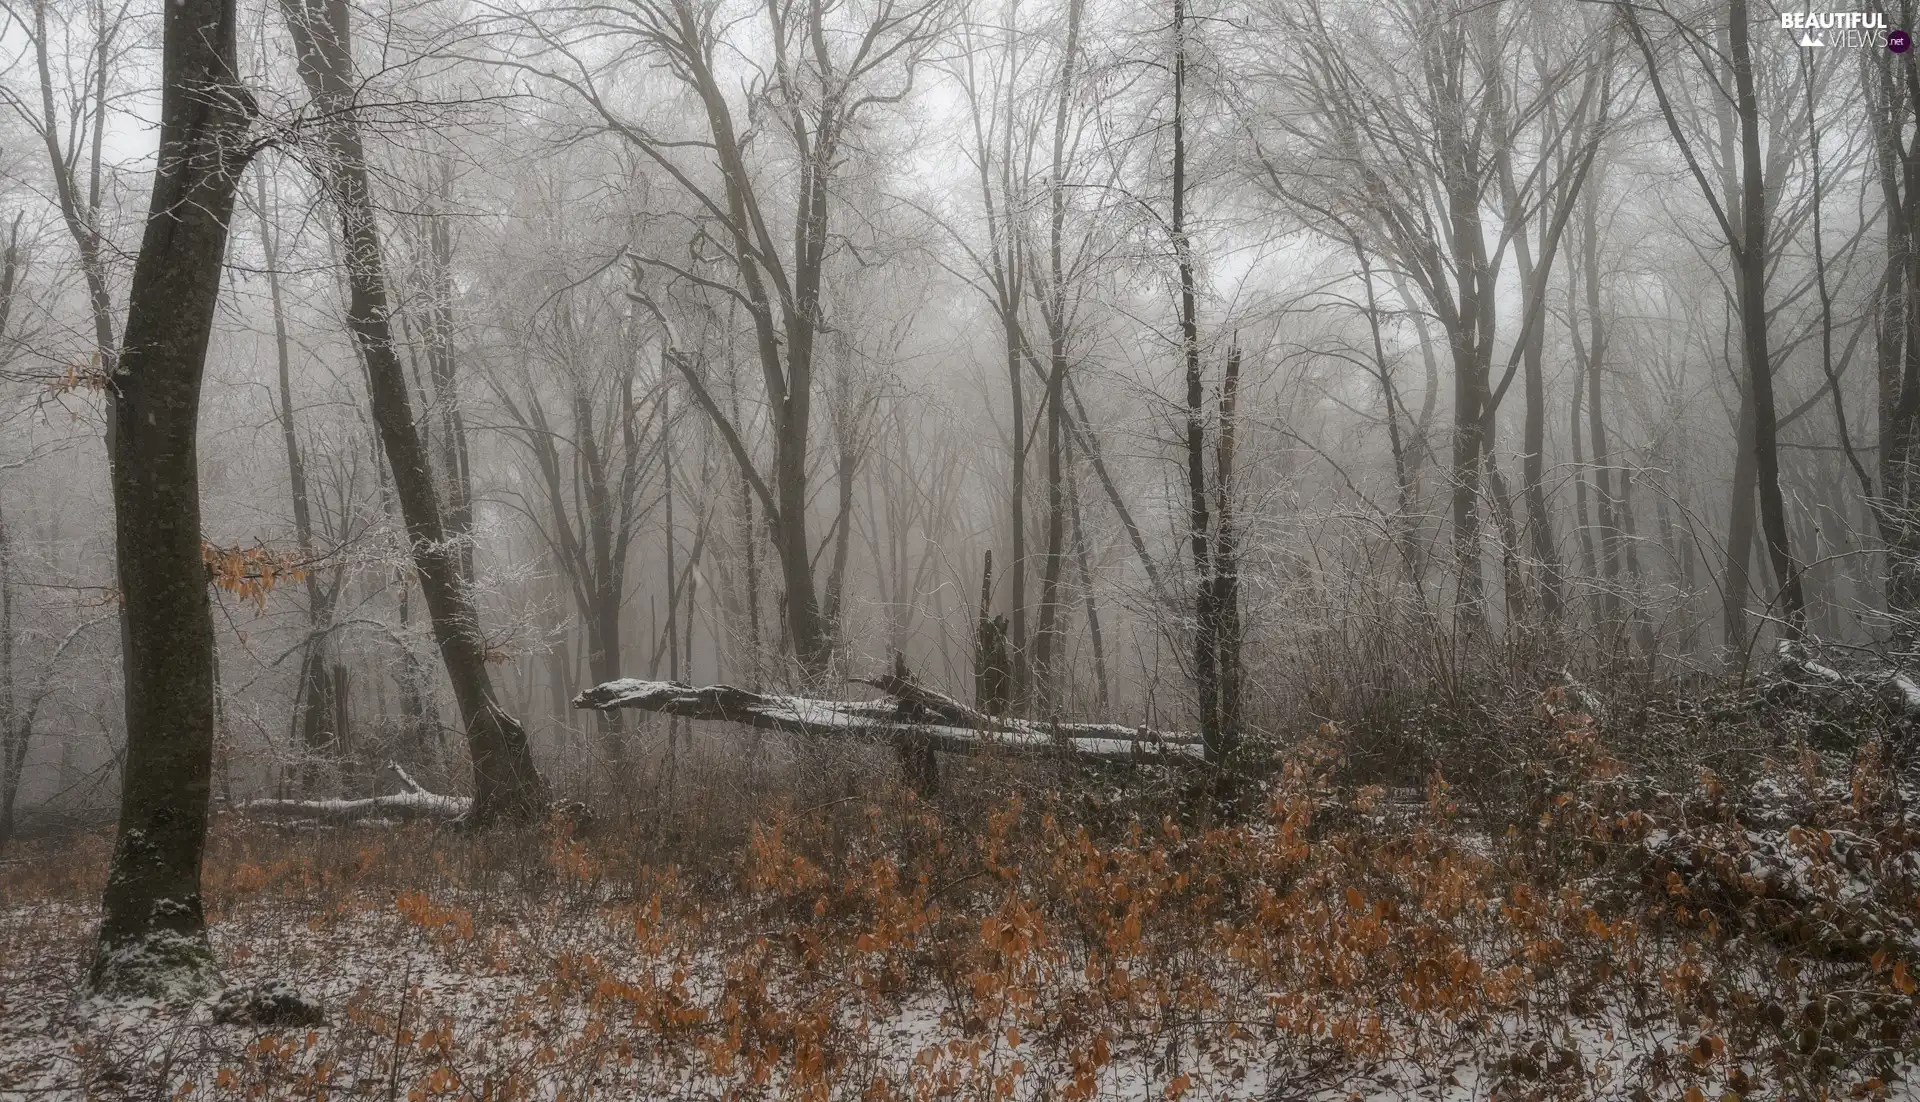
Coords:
506,784
1500,498
152,937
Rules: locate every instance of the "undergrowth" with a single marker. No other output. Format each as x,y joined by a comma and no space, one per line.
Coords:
1743,934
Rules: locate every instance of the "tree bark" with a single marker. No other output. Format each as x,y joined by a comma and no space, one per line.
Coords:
152,937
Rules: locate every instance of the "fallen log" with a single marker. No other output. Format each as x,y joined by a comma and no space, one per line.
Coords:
404,805
1798,659
910,714
414,803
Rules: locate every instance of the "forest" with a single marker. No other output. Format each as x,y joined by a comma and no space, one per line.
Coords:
959,549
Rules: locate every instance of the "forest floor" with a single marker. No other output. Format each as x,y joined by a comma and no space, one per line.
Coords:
1748,938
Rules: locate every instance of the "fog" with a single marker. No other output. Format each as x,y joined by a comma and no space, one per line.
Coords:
1222,371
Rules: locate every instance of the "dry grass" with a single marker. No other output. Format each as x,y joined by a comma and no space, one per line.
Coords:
1612,942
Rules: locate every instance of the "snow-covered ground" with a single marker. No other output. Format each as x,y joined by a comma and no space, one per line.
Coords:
430,1001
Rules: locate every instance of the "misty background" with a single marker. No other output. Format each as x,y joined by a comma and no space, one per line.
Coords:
1483,278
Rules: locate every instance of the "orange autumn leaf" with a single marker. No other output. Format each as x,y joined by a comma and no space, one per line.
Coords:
250,572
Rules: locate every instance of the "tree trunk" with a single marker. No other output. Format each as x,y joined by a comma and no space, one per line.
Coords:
1891,93
13,733
1470,334
1206,629
13,741
1737,580
1050,639
1095,638
1405,535
1017,514
1576,432
1533,433
1226,562
506,784
311,695
1604,501
1751,284
442,369
152,937
910,712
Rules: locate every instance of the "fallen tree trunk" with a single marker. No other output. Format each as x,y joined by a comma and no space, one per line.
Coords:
404,805
1797,658
414,803
910,714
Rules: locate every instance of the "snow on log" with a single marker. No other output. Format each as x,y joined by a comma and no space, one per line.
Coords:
1909,693
415,803
1798,658
404,805
909,713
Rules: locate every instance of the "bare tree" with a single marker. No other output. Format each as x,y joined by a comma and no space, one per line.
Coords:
74,147
506,784
1414,154
318,713
827,66
1745,219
